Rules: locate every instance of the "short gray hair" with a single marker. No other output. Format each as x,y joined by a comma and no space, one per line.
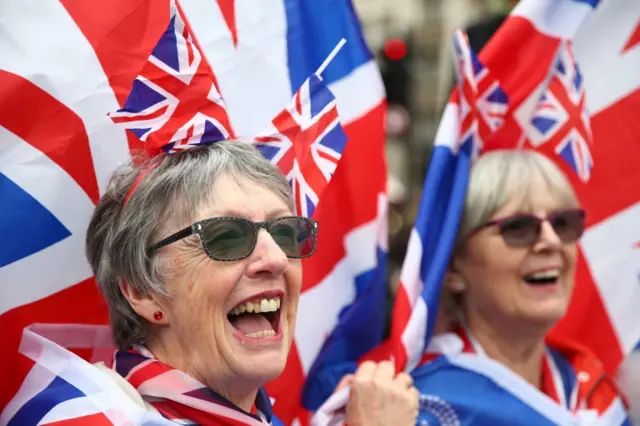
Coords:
166,197
499,175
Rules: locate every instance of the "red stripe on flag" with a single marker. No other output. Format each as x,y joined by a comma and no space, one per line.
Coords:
97,419
614,182
80,304
49,126
353,192
401,314
528,48
136,24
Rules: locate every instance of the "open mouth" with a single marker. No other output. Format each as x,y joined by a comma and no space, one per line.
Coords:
258,317
542,278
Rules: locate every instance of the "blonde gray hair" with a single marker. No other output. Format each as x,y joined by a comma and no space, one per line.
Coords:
164,200
498,176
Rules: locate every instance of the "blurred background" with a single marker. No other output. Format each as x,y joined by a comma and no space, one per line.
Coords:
412,43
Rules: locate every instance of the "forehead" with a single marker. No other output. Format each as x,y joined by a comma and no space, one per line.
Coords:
242,197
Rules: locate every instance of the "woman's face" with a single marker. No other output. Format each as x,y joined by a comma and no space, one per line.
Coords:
220,348
521,286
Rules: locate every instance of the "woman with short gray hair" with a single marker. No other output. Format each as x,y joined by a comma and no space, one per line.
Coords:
509,282
198,256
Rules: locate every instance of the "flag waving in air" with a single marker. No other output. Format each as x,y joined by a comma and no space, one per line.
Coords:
306,140
472,116
174,103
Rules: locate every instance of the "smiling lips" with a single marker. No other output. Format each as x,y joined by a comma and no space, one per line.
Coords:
257,318
544,277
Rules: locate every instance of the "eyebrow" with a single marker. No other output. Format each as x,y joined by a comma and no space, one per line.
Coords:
237,213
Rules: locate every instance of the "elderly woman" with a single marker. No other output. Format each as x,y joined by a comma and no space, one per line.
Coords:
510,281
198,256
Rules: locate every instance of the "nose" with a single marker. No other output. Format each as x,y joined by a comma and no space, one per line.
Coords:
549,239
267,258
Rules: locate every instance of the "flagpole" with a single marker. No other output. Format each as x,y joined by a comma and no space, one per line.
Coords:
332,55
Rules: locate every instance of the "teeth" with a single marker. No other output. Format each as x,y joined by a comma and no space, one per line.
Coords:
548,274
261,334
264,305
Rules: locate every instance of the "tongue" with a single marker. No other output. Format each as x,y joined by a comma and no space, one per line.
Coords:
251,323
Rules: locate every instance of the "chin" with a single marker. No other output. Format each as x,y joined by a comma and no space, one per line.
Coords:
262,367
548,313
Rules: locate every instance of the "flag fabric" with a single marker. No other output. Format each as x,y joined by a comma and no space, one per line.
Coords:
474,114
456,361
58,148
64,389
174,103
592,76
62,383
306,141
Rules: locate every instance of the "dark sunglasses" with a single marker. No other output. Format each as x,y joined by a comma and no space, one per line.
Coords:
524,229
234,238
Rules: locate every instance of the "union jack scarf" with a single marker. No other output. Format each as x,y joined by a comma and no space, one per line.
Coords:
181,398
570,376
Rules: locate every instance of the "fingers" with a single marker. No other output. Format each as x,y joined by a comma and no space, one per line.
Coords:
379,396
403,380
344,382
366,371
384,372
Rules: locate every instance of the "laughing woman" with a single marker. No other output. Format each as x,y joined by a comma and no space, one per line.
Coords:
198,256
200,266
510,281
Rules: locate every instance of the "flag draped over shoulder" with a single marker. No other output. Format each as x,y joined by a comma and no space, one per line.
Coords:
58,148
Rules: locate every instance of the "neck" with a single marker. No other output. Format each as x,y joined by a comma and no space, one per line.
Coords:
520,350
234,390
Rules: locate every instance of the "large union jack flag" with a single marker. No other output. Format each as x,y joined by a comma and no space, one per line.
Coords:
306,141
174,103
69,63
561,118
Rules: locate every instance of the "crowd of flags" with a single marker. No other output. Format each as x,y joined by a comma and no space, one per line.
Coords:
322,123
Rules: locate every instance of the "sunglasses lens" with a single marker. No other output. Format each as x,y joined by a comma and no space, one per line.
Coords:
228,239
568,225
520,230
295,235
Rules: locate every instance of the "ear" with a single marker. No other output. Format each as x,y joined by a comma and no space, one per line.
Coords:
143,304
453,279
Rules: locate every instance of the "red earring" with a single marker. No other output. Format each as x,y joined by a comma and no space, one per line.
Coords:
157,315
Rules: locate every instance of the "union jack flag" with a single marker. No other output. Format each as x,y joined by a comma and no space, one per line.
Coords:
561,117
174,103
483,103
306,141
464,127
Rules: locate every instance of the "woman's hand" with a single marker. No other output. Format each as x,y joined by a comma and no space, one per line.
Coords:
379,397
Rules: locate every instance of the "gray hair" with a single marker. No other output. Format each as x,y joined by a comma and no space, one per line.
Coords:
498,176
166,198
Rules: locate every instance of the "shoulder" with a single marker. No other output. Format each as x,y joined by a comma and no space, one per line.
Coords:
596,389
124,385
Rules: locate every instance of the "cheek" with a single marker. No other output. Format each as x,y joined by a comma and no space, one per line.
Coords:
201,291
492,270
293,278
